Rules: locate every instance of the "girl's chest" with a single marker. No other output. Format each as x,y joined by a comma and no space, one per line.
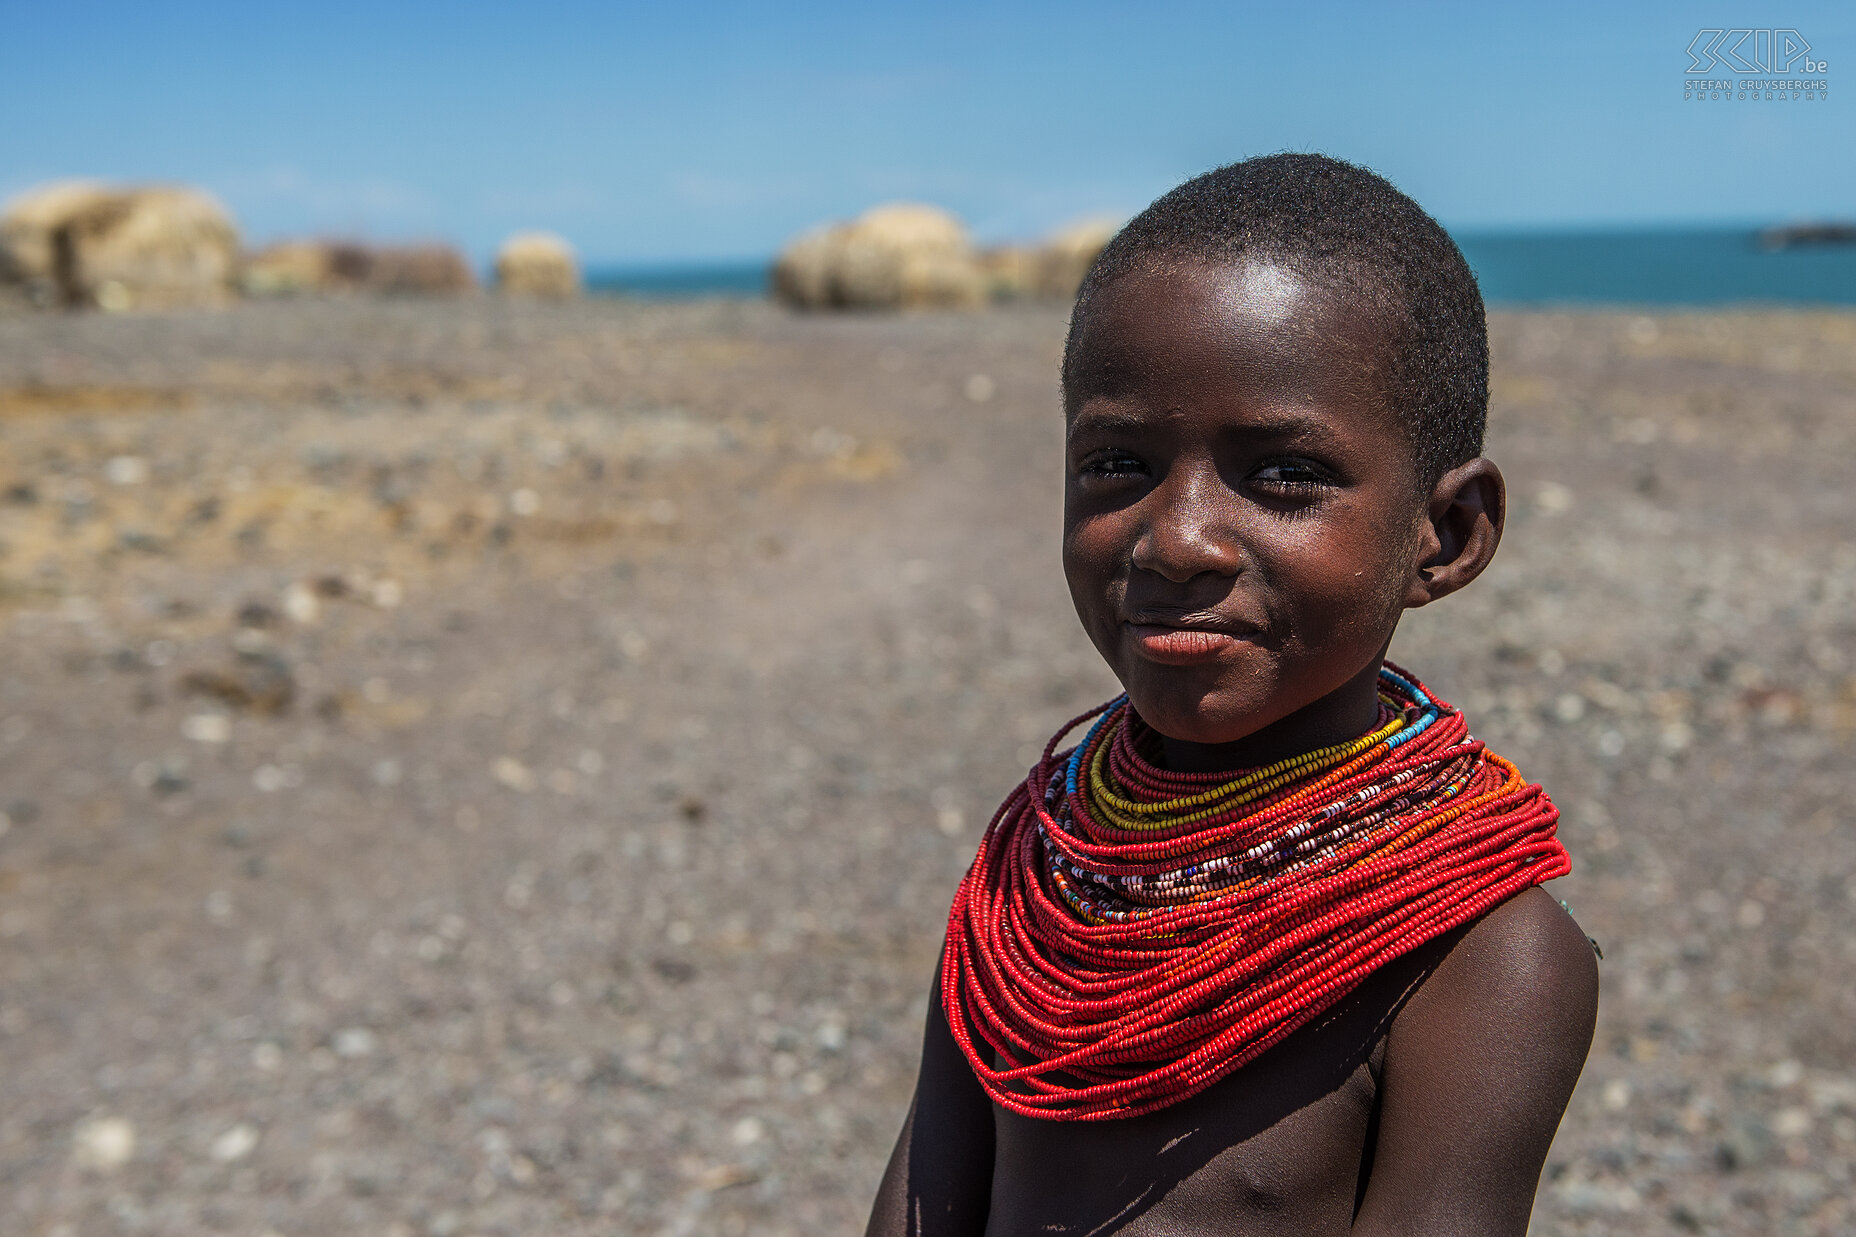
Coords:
1277,1147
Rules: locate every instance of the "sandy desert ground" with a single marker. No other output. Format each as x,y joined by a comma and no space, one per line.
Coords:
472,768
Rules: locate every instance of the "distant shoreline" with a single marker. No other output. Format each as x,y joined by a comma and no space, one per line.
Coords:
681,280
1662,267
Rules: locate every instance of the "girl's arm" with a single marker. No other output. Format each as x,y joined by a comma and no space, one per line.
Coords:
939,1179
1478,1068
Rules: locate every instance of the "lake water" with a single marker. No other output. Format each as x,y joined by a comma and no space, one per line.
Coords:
681,281
1648,267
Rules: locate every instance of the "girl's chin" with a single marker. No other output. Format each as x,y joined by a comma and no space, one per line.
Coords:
1192,722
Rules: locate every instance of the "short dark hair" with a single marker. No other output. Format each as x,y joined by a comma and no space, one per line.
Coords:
1329,219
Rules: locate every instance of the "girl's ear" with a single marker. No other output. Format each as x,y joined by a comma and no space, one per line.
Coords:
1463,526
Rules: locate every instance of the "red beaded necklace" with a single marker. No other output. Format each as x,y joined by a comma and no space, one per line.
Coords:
1127,935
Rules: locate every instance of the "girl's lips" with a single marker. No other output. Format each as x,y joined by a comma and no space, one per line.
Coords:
1179,646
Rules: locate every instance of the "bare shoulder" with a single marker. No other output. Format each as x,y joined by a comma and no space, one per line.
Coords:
1525,960
1478,1068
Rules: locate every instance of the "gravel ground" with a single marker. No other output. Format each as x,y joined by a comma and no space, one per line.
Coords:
482,769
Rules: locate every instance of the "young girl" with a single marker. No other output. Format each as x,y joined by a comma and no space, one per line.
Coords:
1256,947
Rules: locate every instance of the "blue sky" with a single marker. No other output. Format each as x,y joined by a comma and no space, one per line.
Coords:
672,132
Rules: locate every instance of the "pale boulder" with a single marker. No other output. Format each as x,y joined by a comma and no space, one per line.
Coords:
321,266
1051,269
901,255
29,225
802,273
1068,253
419,270
1009,271
289,268
537,264
154,247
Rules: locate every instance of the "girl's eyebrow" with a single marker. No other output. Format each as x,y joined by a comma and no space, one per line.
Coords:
1105,420
1275,423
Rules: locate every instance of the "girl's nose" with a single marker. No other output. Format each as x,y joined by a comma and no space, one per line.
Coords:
1191,527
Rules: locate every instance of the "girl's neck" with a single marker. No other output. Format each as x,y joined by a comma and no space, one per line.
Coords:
1347,712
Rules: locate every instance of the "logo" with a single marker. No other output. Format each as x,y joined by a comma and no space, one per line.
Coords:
1752,51
1780,52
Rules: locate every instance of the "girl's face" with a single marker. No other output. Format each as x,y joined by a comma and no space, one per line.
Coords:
1242,522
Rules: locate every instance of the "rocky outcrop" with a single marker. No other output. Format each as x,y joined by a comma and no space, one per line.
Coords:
802,274
537,264
1067,254
317,266
900,256
291,267
154,247
28,224
1053,269
418,270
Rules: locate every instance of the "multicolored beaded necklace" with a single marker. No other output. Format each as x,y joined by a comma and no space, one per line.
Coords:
1127,935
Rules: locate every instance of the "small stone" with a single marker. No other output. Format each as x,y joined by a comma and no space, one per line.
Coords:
350,1043
235,1144
524,502
125,470
207,728
256,614
300,604
723,1176
747,1132
1617,1095
1553,498
513,774
674,970
259,680
1792,1122
1748,1144
104,1143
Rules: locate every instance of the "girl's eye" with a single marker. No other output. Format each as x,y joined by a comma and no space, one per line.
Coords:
1290,476
1113,464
